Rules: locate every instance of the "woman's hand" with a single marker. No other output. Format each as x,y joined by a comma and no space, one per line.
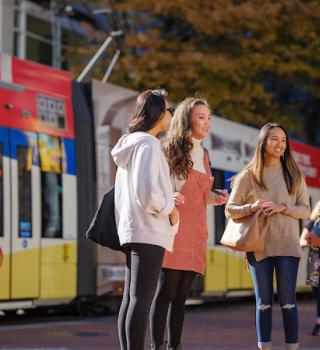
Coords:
313,240
273,208
221,196
259,204
174,216
178,198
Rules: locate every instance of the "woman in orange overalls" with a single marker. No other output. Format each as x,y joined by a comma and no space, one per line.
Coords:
192,182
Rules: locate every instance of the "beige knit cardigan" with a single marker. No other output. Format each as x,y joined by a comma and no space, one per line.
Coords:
282,237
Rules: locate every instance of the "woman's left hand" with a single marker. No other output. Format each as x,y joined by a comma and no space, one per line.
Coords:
221,197
178,198
274,208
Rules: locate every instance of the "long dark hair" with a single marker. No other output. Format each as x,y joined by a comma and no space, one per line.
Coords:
150,106
291,171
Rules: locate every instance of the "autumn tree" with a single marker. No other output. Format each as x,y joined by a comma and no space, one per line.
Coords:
255,60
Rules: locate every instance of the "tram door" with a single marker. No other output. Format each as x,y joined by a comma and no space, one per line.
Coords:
4,214
25,214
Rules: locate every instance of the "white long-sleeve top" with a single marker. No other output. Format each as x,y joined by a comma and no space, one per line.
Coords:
143,191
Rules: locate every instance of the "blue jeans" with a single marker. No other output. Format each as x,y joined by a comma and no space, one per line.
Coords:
286,269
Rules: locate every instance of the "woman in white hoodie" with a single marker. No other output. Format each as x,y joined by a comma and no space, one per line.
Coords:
147,218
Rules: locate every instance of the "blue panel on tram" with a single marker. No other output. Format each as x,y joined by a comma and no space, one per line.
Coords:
228,175
24,139
4,140
69,161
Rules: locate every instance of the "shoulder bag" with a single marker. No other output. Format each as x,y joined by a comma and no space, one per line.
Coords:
246,234
103,228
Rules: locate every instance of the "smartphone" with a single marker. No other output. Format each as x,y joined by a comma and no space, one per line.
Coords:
219,192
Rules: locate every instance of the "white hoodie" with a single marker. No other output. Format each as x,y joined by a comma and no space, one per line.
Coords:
143,191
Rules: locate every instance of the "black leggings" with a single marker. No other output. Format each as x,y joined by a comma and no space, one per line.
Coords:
173,289
316,291
142,273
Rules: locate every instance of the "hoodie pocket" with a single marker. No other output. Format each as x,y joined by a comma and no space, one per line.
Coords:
174,228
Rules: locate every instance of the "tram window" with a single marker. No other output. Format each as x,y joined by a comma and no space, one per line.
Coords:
1,193
51,185
24,188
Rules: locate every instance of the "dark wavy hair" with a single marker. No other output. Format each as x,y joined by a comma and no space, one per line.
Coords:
149,107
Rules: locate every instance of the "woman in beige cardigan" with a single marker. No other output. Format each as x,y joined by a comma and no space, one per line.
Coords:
284,198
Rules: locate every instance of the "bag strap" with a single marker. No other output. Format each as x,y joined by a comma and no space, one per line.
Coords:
207,154
253,182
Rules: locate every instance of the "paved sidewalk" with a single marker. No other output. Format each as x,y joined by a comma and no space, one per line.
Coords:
210,327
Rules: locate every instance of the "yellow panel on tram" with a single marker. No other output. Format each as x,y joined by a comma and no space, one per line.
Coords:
4,275
24,283
215,276
59,271
233,272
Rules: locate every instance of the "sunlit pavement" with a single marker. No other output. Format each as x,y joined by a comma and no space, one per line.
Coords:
214,327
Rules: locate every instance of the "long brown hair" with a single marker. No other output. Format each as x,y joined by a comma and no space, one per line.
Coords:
178,143
291,171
